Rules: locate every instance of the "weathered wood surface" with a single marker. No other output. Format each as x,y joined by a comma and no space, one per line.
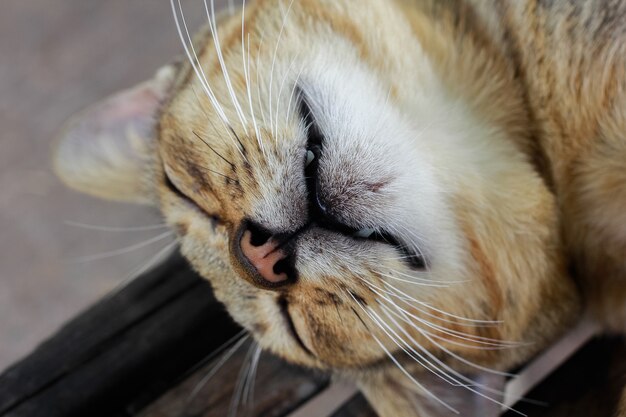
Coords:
587,385
356,407
122,352
274,390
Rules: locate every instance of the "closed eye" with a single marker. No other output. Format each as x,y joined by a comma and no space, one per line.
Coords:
180,194
174,189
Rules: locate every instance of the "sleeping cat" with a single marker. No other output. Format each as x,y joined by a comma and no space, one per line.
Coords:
412,194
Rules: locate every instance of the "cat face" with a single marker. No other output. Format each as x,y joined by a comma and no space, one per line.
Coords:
346,193
316,164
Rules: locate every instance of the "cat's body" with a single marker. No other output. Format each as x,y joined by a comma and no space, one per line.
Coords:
358,179
570,57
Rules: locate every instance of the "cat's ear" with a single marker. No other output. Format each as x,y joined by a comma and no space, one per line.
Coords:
108,150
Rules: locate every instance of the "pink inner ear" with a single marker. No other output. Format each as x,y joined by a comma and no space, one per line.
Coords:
112,128
104,151
140,102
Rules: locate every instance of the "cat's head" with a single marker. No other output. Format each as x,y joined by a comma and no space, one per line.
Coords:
352,179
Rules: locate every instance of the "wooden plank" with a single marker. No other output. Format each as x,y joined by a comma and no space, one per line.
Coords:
328,401
589,384
356,407
548,361
118,355
275,390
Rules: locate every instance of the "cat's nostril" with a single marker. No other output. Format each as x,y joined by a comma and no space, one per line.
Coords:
259,235
282,267
269,265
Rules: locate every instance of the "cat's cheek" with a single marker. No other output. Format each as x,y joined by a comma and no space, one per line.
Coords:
207,251
333,341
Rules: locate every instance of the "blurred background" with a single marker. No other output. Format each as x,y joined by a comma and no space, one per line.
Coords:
58,56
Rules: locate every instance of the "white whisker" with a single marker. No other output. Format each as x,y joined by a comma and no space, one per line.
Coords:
162,254
280,91
455,321
123,250
456,376
194,60
248,394
246,67
469,382
466,322
241,382
220,57
225,357
411,239
258,81
497,344
411,352
426,305
445,284
414,280
454,333
452,354
199,71
280,34
115,228
293,90
243,179
400,367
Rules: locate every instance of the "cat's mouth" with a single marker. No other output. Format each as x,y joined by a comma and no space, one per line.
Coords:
283,305
319,211
412,258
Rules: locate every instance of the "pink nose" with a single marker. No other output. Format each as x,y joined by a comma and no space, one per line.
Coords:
264,257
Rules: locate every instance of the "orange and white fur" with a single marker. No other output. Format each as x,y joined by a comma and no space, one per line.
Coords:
412,194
